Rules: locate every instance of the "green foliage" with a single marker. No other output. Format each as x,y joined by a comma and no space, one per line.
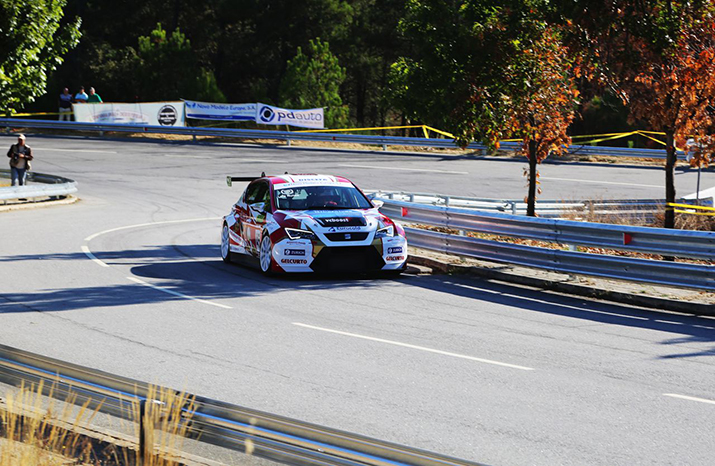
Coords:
312,80
32,44
475,65
166,68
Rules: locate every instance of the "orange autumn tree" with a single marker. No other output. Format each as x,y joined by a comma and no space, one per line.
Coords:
542,110
659,57
486,71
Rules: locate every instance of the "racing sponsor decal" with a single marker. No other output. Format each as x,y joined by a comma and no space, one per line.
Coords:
294,261
341,221
308,118
339,229
295,252
167,115
394,258
395,250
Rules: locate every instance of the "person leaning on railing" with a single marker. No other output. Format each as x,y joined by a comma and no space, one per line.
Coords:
20,155
93,97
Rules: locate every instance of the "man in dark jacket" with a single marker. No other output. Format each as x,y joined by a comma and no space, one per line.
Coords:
20,155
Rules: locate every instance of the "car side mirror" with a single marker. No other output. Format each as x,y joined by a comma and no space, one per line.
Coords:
377,203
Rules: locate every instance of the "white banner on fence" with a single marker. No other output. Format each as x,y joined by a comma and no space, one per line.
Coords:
217,111
140,113
269,115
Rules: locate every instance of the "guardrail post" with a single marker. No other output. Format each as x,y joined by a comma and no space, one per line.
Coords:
513,208
384,147
142,433
288,142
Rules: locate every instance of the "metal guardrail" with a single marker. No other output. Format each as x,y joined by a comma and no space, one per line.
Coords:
49,186
289,136
544,208
698,245
214,422
235,133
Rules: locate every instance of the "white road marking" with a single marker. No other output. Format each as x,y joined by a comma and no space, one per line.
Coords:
403,169
602,182
91,237
89,254
175,293
690,398
76,150
421,348
85,248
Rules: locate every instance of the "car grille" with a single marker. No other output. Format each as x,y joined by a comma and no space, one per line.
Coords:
347,259
348,236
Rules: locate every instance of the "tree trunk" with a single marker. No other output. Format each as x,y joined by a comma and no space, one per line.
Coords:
670,160
531,200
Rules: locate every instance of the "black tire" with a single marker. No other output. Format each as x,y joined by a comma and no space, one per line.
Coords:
225,248
265,253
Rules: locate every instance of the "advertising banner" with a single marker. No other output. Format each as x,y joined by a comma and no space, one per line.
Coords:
140,113
216,111
269,115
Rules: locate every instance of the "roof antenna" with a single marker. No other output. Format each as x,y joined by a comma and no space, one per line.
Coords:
263,174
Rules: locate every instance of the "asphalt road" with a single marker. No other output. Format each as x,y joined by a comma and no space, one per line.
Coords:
129,280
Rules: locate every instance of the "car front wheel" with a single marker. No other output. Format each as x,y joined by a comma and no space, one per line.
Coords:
225,245
265,254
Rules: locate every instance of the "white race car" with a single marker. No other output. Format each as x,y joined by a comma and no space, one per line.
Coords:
311,223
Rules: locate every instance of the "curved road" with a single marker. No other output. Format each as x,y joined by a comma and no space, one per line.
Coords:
490,372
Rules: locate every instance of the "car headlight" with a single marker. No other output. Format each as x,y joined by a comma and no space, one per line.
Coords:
295,233
385,232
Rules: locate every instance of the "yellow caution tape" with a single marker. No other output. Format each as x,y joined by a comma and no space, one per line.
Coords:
688,206
617,136
357,129
657,133
597,135
651,138
42,113
443,133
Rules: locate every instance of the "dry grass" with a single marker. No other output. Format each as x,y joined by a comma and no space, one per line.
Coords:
33,433
694,222
36,430
166,424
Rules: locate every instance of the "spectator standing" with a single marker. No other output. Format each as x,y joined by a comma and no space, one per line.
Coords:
93,98
20,155
65,102
81,96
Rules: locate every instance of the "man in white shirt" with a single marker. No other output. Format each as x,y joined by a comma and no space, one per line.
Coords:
81,96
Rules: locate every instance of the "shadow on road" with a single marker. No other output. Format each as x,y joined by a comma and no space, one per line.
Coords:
197,271
691,329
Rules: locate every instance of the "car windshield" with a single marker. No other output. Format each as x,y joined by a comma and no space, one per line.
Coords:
320,197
